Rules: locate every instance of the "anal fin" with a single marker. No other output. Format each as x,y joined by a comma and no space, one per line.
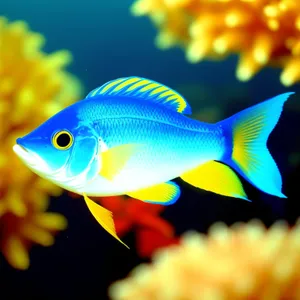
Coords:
103,216
216,177
164,193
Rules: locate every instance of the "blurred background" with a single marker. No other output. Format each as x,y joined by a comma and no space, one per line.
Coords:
107,41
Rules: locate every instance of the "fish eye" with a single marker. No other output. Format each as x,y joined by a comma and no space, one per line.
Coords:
62,140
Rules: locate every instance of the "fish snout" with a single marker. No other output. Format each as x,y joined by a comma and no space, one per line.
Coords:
20,143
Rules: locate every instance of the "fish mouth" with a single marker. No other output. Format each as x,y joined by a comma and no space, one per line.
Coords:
30,158
23,148
33,161
24,154
20,150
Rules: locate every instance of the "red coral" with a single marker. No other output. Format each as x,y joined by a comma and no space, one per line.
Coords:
149,241
152,231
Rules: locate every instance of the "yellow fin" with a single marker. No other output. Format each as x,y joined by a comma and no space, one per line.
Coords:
216,177
143,88
114,159
251,129
163,193
103,216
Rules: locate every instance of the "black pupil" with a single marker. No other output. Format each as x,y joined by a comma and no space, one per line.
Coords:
63,140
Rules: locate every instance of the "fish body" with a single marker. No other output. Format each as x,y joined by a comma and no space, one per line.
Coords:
167,143
132,136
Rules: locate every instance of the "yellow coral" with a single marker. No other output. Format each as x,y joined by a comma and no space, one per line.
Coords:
264,32
33,86
246,261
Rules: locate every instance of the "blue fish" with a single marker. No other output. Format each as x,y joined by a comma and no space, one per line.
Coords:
132,136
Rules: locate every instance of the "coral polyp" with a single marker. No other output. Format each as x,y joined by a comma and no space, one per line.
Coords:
262,32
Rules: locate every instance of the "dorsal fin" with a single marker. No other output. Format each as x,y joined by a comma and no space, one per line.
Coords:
143,88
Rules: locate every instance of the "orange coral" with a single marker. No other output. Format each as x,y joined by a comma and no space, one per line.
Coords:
263,32
33,86
246,261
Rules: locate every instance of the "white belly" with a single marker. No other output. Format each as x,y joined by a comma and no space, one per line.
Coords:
125,182
133,179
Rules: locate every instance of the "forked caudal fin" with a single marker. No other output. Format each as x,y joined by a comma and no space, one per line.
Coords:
247,133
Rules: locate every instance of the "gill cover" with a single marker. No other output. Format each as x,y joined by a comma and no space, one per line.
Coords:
83,156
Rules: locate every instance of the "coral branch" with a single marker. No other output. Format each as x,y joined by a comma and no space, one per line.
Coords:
262,32
246,261
33,86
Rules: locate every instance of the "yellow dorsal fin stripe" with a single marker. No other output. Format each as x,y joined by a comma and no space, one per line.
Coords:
107,87
216,177
165,94
115,158
137,85
163,193
150,86
123,84
158,90
171,98
142,88
103,216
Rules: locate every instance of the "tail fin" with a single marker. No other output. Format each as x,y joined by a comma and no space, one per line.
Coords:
247,133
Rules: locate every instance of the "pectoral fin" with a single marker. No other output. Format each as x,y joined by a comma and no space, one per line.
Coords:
216,177
103,216
164,194
114,159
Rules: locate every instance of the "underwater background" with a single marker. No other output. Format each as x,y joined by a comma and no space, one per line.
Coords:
107,41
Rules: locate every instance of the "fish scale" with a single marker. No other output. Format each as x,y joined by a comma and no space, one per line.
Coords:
165,146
